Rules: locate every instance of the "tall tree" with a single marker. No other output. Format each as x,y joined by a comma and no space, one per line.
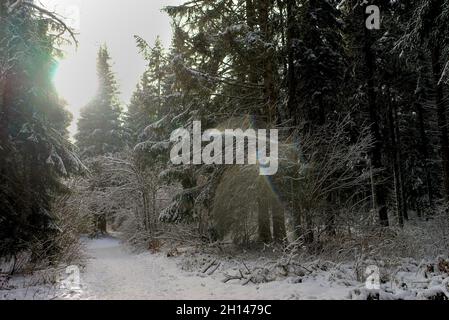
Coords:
35,151
99,126
147,103
427,41
362,44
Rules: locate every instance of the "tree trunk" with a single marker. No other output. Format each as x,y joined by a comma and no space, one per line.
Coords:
399,162
101,224
270,98
291,104
153,218
376,152
270,94
442,121
146,210
250,14
3,80
3,114
395,156
309,236
330,216
278,214
424,142
251,22
263,220
296,210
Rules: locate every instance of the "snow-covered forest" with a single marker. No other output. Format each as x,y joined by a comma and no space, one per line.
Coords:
358,92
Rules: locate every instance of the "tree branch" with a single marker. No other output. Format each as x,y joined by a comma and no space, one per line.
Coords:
52,15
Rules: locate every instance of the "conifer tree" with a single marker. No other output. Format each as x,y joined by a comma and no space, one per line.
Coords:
34,150
147,102
99,127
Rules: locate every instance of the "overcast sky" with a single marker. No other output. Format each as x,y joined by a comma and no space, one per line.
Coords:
113,22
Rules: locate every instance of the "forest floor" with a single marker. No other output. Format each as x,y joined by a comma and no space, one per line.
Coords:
112,271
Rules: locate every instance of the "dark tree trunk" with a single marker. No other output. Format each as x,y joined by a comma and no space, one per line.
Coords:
251,22
295,209
292,107
101,224
441,114
291,104
277,211
309,236
250,14
270,92
376,152
146,210
395,156
330,217
3,80
424,141
399,162
271,112
264,229
3,114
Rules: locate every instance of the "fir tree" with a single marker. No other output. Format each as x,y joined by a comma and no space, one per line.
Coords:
147,102
35,151
99,127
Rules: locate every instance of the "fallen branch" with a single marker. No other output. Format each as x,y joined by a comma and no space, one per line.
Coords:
249,271
247,279
211,272
207,267
229,277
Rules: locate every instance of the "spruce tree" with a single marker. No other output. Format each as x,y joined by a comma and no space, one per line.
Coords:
148,100
99,126
34,150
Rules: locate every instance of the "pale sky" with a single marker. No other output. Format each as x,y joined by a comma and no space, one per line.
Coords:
113,22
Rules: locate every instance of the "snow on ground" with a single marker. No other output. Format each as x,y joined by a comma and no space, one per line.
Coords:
114,272
41,285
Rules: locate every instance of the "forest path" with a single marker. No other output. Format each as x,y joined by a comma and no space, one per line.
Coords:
112,272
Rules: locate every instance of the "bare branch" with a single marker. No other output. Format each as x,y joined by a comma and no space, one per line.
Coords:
52,15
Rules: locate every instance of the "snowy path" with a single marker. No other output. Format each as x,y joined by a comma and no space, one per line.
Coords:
114,273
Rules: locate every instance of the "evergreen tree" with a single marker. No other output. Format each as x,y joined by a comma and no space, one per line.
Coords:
99,126
147,102
35,151
320,61
427,42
